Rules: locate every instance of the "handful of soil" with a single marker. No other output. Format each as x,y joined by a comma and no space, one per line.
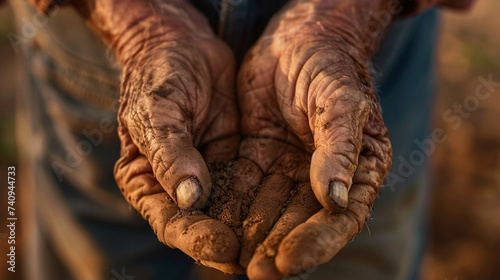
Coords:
226,204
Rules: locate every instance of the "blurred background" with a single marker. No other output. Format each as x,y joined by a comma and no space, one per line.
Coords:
465,210
465,229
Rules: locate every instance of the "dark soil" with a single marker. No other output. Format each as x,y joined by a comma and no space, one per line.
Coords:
226,204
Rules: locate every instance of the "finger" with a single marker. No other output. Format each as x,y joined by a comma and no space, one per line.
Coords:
262,267
248,172
338,122
161,125
192,232
264,212
318,239
288,163
231,268
302,206
247,175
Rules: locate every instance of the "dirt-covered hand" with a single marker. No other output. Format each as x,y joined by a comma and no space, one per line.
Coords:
177,113
314,132
178,110
178,102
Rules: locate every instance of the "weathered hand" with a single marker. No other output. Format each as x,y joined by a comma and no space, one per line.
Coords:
178,104
177,112
314,130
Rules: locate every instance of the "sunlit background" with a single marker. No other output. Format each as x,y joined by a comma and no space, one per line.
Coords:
466,208
465,211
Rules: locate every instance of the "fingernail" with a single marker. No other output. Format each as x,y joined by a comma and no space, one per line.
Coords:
188,192
338,192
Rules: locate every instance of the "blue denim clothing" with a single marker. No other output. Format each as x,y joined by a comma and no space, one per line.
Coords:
84,229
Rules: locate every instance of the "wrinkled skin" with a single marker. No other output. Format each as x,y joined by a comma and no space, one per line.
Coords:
309,114
178,111
176,114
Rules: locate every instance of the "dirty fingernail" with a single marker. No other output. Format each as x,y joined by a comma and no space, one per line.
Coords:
188,192
338,192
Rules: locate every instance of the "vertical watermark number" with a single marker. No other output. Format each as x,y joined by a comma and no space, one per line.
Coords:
11,217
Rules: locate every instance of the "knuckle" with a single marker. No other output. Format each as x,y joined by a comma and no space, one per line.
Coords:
156,158
346,158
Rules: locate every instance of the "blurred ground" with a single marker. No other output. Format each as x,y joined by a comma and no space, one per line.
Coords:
466,207
465,241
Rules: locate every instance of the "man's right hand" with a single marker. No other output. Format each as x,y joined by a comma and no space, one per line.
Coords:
177,110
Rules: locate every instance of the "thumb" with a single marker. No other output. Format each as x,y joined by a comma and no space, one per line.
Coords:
338,130
161,125
194,233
